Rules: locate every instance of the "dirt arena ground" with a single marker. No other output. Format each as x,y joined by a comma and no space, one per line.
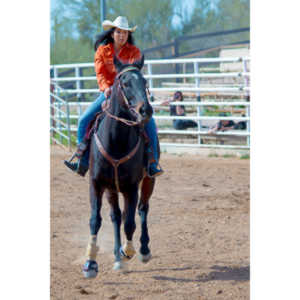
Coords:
198,226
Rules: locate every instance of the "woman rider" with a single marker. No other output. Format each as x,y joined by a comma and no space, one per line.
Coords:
116,40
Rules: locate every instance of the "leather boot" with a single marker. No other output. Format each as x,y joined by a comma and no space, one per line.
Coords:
77,167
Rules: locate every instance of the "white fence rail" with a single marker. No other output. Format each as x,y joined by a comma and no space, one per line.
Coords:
60,127
240,89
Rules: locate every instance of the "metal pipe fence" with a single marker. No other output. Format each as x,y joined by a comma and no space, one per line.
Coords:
60,121
240,90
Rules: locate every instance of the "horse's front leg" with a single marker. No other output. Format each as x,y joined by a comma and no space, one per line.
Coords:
90,268
143,208
131,198
116,218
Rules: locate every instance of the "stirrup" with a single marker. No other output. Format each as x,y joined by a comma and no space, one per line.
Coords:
70,165
78,153
77,167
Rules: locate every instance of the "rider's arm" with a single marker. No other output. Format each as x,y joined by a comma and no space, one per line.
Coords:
101,71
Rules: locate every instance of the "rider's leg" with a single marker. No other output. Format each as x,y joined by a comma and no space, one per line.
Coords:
81,167
88,116
177,124
151,131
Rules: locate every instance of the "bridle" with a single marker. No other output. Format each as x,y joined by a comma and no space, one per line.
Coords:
125,100
116,162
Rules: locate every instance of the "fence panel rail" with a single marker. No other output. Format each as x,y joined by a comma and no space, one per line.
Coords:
235,84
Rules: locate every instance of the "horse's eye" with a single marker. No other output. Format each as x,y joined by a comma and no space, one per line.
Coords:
126,84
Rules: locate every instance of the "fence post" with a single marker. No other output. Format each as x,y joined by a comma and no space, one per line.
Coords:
52,100
78,86
57,92
77,74
150,79
55,75
68,125
184,72
246,84
81,84
176,54
199,112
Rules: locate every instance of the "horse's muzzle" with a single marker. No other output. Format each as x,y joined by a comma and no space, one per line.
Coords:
142,111
136,111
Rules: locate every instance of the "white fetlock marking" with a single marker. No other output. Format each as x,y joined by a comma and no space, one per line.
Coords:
118,266
92,249
129,249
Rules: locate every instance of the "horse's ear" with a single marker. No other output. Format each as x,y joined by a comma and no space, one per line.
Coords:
139,63
118,64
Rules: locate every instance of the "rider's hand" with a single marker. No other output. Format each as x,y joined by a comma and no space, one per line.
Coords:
107,92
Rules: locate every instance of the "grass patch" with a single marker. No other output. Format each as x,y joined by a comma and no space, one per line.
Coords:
162,113
72,121
245,156
63,140
229,155
212,112
213,155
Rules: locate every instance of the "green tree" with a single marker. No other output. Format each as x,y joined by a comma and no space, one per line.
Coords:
154,18
65,47
234,13
210,16
75,23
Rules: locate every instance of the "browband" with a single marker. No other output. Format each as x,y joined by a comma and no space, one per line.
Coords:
126,70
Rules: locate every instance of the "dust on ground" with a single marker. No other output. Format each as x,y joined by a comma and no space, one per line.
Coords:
199,234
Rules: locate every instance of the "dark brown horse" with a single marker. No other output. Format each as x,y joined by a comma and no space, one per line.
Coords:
117,164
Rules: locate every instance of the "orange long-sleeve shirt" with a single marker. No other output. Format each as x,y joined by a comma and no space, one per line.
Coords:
104,65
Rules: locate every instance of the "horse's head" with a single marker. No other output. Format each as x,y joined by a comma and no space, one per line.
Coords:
132,86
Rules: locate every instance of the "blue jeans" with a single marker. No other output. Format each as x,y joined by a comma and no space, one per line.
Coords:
151,131
89,115
184,124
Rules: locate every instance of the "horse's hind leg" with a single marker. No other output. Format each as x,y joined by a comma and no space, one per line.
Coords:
90,268
116,218
131,198
143,208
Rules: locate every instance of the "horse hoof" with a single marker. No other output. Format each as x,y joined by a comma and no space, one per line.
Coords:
125,257
90,269
145,258
118,266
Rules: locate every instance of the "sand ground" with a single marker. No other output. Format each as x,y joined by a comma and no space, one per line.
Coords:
198,226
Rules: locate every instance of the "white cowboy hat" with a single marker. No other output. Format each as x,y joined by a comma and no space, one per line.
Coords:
119,22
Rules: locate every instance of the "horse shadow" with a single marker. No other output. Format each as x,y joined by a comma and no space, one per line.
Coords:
220,273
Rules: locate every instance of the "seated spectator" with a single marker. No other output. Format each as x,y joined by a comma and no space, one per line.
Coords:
241,125
222,125
179,110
